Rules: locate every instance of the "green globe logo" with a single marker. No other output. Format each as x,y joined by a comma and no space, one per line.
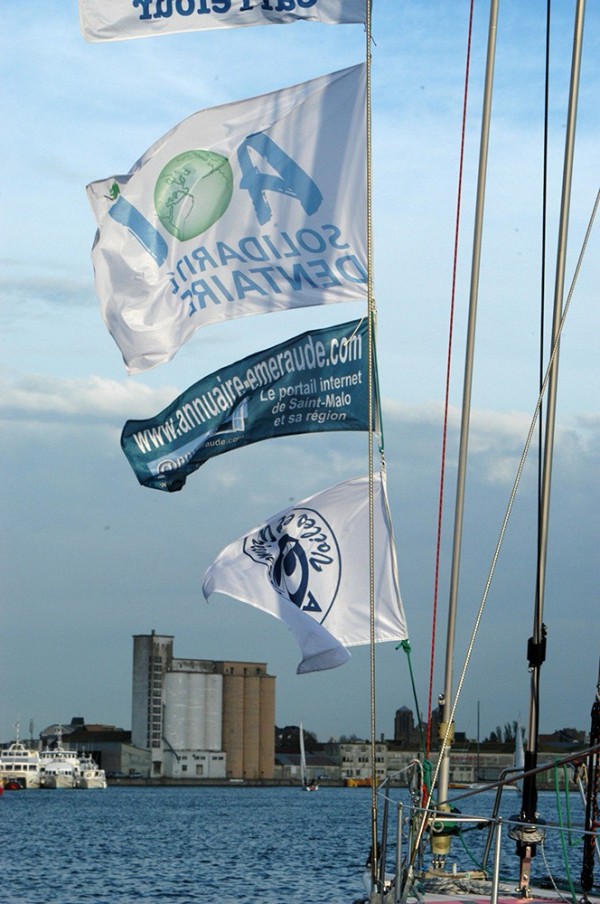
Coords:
192,192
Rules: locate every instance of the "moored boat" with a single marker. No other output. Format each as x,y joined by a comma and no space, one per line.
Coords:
58,766
89,775
358,782
19,767
58,772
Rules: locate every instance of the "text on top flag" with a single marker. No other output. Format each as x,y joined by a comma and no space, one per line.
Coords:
118,20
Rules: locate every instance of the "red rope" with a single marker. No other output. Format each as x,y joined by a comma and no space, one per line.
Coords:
448,369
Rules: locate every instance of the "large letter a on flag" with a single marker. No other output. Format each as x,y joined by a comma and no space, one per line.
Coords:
292,179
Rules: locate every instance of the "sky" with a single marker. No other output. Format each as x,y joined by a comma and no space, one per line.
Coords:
89,557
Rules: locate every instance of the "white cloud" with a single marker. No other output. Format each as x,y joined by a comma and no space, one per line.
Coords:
39,399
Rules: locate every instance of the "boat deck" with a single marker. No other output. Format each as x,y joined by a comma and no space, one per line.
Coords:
537,896
543,897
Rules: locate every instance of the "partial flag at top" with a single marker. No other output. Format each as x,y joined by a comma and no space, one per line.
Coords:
117,20
309,567
248,208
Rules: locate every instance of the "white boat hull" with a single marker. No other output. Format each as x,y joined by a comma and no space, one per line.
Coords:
53,782
19,765
88,782
26,780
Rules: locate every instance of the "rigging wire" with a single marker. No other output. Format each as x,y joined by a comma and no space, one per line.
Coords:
371,310
448,369
517,481
536,648
445,742
543,238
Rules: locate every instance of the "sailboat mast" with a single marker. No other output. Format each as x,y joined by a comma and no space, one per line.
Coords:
302,757
537,643
446,728
371,313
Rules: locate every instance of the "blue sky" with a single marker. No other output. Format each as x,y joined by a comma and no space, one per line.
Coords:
89,557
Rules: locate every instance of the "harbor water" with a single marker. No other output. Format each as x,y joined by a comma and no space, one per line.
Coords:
221,845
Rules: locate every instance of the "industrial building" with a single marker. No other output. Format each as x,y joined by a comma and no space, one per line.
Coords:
199,718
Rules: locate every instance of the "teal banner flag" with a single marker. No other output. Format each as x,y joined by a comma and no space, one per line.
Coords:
312,383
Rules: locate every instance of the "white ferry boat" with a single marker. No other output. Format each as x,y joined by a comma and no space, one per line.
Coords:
58,767
89,774
19,767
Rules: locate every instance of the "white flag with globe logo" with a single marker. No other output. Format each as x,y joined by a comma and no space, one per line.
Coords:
247,208
309,567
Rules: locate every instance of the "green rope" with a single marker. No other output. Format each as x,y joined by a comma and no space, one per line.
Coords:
405,645
468,852
568,803
562,834
427,773
427,765
376,393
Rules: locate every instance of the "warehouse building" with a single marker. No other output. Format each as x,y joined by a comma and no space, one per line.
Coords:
199,718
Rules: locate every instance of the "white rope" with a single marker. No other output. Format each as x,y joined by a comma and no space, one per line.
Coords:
551,877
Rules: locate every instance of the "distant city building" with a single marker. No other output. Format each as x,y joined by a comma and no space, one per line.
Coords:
201,718
110,747
406,732
318,765
411,733
564,739
355,762
404,724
